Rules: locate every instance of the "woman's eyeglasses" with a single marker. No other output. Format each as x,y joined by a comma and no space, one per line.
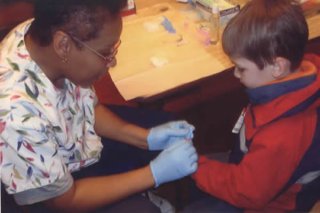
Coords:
109,57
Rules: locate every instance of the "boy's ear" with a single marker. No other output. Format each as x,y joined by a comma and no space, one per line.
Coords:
61,44
280,67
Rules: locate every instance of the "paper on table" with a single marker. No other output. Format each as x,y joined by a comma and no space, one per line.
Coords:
146,41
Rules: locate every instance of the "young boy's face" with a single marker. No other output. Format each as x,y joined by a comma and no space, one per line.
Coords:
249,73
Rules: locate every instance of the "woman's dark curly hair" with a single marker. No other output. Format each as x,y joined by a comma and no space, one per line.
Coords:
82,18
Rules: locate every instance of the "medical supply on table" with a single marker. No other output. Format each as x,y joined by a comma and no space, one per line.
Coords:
214,21
227,9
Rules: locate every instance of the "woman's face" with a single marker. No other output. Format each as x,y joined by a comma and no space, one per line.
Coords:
93,60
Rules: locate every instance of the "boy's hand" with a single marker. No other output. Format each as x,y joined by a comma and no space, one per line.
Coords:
163,135
203,161
177,161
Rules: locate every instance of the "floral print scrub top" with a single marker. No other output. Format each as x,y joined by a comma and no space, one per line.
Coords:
45,132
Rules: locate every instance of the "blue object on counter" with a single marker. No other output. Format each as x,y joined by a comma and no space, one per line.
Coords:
168,25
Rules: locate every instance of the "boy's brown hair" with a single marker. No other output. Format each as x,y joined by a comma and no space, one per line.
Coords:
265,29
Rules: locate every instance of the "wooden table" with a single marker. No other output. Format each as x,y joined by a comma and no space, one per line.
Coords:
145,40
137,78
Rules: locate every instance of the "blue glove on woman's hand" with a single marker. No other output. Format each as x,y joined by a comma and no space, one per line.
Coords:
163,135
176,161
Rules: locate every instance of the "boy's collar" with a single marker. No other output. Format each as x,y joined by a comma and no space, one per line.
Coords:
287,102
306,68
299,79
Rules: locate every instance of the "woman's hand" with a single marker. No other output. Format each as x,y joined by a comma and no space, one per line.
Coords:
176,161
161,136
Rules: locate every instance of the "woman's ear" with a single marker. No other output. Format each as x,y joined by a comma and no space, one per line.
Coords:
61,45
280,67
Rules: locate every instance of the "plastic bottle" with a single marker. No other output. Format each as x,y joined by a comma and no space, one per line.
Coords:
215,23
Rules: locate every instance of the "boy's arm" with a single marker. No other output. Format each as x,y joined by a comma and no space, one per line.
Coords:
261,175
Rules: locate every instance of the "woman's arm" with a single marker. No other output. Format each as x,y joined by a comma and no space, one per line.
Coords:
109,125
91,193
177,161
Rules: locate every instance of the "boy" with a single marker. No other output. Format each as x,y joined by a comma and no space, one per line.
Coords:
276,166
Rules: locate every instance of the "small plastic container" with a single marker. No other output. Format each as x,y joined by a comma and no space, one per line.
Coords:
215,23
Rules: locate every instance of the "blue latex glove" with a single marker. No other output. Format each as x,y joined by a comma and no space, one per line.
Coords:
176,161
163,135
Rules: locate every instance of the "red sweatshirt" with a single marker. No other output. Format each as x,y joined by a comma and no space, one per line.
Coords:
278,161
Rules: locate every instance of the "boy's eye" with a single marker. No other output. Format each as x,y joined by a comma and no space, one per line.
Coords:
240,69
